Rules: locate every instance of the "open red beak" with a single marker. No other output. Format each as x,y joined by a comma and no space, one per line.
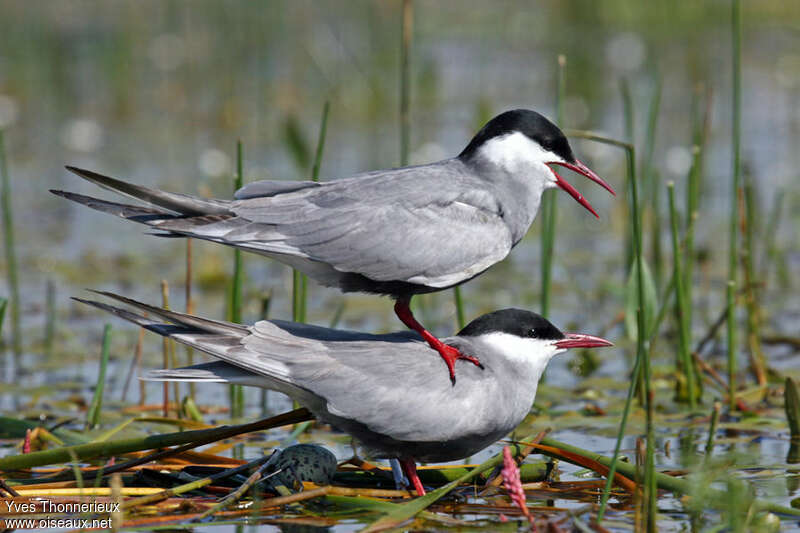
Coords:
582,169
579,340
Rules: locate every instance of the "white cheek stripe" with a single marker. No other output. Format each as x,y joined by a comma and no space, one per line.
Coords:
516,151
531,353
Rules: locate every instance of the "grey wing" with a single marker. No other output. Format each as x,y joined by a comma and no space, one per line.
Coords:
264,188
430,225
400,389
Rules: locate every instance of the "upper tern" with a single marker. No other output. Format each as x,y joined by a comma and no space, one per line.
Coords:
399,232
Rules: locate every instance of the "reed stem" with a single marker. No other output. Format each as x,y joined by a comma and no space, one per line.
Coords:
11,256
236,392
733,257
686,364
694,186
653,189
407,31
550,205
712,429
93,415
459,302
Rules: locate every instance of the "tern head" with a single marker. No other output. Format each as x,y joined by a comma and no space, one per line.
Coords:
525,337
521,141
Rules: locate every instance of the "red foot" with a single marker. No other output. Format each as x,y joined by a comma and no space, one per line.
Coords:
410,470
451,355
448,353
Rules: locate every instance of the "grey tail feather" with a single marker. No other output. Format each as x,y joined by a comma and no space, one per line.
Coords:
204,324
213,372
132,212
175,202
122,313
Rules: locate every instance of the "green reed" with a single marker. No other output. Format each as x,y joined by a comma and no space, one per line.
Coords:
712,428
695,181
406,32
11,256
93,414
733,248
652,188
642,355
686,364
549,204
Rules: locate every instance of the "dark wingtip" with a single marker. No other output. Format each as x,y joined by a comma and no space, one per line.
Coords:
76,170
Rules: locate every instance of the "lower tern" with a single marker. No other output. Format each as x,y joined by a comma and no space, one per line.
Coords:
383,390
396,232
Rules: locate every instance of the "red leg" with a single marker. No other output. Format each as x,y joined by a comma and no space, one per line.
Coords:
410,470
448,353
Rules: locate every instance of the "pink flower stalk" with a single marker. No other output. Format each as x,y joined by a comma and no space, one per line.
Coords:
26,444
513,484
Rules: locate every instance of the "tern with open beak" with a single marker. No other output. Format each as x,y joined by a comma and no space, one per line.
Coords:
397,232
383,390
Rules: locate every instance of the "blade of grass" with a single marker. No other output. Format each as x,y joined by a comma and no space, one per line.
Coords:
11,256
652,186
686,365
96,406
712,429
733,256
549,205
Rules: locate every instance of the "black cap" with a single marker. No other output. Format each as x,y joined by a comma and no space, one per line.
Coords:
514,322
530,123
